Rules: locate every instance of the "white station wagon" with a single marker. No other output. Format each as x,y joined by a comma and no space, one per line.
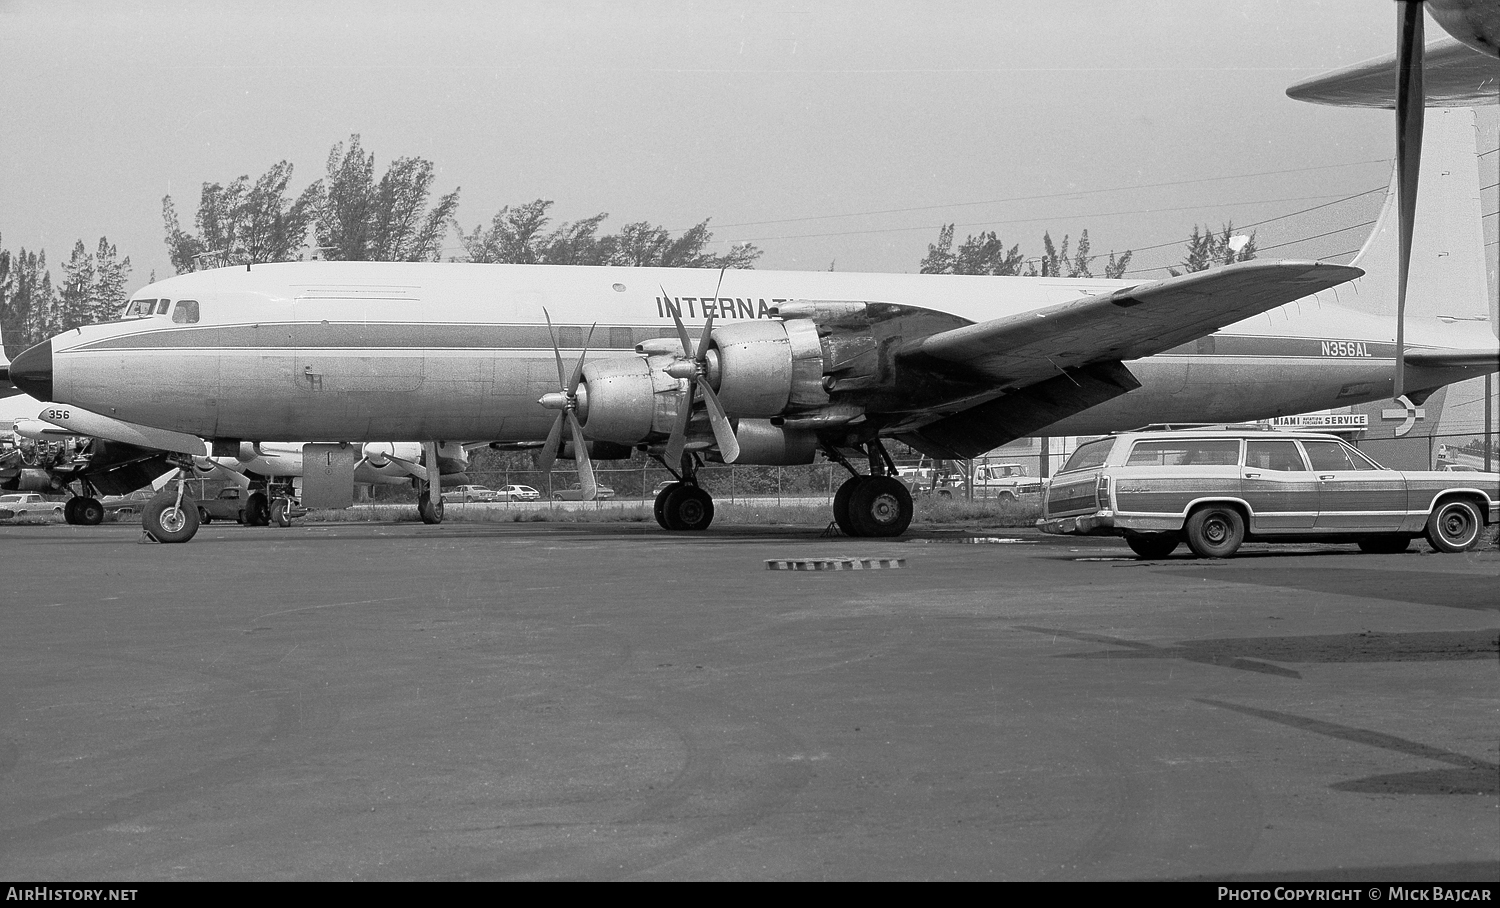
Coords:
1217,488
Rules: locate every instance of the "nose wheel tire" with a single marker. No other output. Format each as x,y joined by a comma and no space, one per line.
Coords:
429,507
279,513
1215,531
1455,526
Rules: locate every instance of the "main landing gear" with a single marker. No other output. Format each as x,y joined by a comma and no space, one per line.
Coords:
877,504
84,510
873,505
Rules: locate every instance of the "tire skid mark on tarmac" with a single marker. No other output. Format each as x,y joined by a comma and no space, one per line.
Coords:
1136,649
289,719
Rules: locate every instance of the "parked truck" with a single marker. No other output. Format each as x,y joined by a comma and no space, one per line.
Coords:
998,481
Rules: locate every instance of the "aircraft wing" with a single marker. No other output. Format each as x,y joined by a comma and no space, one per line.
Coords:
1128,323
1453,75
1041,366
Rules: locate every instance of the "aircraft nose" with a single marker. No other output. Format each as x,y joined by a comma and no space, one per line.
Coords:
32,371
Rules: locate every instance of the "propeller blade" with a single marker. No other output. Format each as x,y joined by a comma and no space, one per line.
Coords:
562,373
572,384
548,454
678,439
729,446
586,483
1411,103
682,334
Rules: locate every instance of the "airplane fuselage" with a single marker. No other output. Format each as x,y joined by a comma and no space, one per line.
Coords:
409,352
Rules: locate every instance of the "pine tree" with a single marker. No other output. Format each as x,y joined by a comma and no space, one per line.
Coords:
243,222
360,220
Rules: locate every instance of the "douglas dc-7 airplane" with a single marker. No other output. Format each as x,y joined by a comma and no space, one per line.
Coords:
786,365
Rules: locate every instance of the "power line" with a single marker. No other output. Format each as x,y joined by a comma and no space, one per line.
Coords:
1055,195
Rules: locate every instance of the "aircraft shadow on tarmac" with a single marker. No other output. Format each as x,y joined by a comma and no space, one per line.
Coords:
1464,775
1475,592
1257,654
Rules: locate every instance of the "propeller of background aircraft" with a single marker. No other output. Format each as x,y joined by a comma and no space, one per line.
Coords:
1475,23
565,401
693,366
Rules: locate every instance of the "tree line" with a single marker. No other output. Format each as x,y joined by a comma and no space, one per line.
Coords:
351,215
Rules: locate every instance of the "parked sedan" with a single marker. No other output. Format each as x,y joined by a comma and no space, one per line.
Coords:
519,493
575,493
28,504
1215,489
127,505
460,494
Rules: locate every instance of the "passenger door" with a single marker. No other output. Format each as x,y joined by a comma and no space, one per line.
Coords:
1353,492
1282,492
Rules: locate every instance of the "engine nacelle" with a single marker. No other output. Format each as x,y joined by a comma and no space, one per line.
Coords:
31,481
774,446
762,369
627,400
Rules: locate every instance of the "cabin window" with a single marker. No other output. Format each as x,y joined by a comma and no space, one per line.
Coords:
621,339
570,338
186,312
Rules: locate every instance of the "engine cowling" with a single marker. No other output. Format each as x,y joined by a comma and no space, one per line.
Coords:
761,369
627,400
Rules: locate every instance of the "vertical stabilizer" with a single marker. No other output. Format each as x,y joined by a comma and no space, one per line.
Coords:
1447,261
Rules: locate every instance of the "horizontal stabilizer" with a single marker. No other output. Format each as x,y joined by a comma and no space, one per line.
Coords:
1453,75
1129,323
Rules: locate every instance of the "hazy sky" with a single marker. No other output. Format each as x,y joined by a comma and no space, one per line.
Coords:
828,133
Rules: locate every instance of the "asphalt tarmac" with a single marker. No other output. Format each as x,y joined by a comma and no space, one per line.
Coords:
529,701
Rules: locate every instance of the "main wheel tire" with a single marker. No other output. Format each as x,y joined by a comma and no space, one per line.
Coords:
1455,526
166,522
257,511
278,513
1384,545
70,511
659,508
89,512
841,504
880,506
1215,531
430,507
688,507
1153,546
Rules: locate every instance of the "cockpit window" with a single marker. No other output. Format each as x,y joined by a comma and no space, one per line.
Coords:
186,312
139,308
161,307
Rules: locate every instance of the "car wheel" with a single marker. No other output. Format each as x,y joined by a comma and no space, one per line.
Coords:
1384,545
1007,497
166,522
1215,531
1454,526
204,517
1153,546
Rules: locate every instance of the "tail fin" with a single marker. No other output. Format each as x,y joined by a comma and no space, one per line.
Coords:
1447,279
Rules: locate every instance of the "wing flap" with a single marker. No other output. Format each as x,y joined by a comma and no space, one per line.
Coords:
1129,323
